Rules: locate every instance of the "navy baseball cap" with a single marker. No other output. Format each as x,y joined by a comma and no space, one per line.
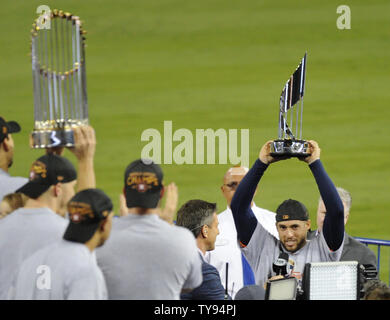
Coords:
143,184
46,171
7,127
291,210
86,210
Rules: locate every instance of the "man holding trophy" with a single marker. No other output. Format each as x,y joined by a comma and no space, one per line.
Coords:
292,219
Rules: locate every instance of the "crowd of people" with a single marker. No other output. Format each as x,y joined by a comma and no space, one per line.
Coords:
60,238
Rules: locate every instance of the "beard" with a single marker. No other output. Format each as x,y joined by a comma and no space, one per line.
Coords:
10,163
299,245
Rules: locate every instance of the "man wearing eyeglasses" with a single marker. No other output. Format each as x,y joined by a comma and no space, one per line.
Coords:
227,250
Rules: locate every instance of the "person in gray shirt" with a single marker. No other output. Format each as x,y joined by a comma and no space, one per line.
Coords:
292,221
67,270
8,184
147,258
40,222
27,229
352,249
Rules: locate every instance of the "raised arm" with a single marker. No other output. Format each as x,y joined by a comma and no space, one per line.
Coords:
333,228
243,216
84,150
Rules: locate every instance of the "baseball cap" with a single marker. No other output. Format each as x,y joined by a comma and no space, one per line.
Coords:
86,210
46,171
291,210
7,127
143,183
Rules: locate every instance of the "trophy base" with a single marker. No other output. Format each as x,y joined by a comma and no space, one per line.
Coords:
52,138
290,148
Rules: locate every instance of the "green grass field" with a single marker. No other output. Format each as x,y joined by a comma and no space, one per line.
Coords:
222,64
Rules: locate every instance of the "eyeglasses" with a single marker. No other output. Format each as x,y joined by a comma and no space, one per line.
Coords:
232,185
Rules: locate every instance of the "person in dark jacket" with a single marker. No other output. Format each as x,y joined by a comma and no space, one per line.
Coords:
200,217
353,250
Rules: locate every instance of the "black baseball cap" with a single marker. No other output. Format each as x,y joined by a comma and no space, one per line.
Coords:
7,127
46,171
291,210
143,184
86,210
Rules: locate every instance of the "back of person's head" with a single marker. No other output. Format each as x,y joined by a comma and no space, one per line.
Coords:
47,171
376,290
194,214
345,197
250,292
88,209
143,185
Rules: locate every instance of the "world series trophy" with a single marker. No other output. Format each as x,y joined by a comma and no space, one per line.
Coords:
59,79
287,143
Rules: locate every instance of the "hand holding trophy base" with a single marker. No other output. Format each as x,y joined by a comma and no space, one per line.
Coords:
289,147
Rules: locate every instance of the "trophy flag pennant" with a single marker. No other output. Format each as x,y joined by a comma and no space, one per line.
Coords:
291,98
294,89
293,92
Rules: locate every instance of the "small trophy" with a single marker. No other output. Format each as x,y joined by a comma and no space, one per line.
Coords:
59,79
287,143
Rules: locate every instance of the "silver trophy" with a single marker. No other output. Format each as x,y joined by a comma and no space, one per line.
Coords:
59,79
290,117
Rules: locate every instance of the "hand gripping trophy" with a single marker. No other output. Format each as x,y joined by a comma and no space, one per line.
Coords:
59,80
287,144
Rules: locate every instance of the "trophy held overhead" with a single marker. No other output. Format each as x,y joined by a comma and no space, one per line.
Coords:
291,110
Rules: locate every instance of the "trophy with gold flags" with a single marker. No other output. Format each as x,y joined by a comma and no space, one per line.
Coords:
290,117
59,79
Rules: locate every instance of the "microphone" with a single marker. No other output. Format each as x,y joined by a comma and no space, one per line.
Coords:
280,265
226,284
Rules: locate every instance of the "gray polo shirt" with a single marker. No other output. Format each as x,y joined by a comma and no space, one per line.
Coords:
22,233
64,270
263,249
149,259
9,184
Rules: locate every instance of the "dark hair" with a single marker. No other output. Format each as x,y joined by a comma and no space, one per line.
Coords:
375,289
194,214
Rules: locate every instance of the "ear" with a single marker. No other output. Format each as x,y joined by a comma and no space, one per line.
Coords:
104,223
346,217
5,144
204,231
57,189
162,191
308,224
